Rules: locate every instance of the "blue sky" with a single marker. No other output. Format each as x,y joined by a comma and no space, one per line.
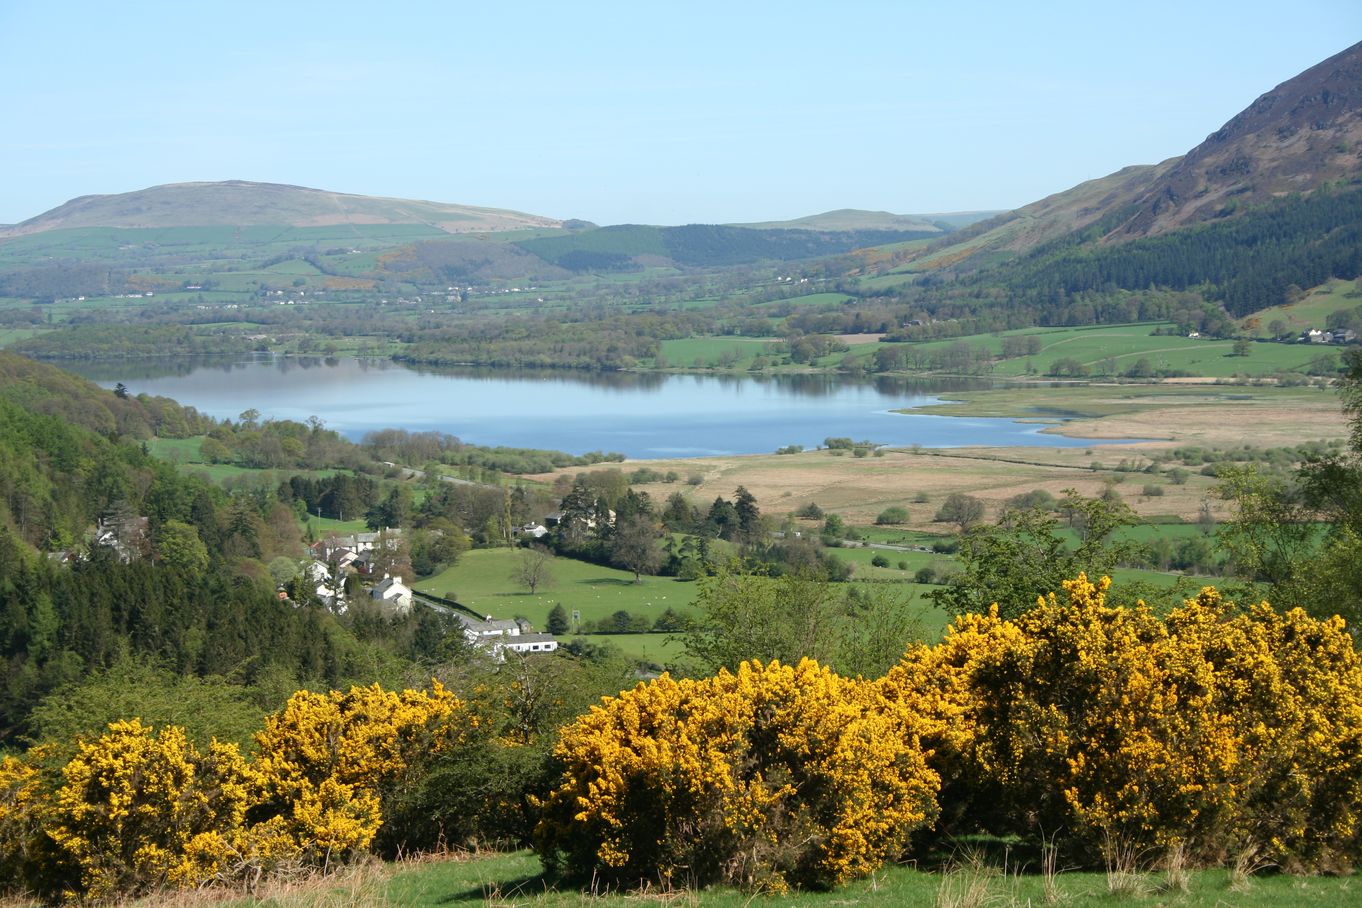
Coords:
652,112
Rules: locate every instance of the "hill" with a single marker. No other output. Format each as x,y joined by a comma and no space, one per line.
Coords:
239,203
630,246
1303,135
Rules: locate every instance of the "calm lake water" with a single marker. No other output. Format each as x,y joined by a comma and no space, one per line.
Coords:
642,416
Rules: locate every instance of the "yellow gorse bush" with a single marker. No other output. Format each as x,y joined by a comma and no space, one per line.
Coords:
772,776
139,810
1214,729
136,810
323,759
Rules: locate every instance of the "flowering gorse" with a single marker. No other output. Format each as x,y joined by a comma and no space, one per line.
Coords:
1211,730
772,776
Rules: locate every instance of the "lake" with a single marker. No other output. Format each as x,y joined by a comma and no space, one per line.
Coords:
642,415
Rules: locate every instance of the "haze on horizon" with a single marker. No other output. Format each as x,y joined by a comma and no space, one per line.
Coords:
618,112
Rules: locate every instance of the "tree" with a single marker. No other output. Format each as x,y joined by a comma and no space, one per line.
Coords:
179,546
214,451
558,620
635,547
746,614
393,511
534,568
745,506
391,555
1024,556
1242,347
121,391
1275,535
960,508
1271,535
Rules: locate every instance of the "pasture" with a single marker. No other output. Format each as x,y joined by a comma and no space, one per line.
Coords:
482,580
1110,350
708,351
1311,311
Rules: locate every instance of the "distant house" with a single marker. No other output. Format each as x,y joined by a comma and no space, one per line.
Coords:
358,543
531,643
498,636
392,593
535,530
319,576
126,535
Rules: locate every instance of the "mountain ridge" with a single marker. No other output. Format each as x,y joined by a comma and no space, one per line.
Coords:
1304,134
237,203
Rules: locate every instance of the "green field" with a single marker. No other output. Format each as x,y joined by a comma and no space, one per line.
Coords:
10,335
1113,349
482,581
861,558
518,879
811,299
658,649
686,352
1312,311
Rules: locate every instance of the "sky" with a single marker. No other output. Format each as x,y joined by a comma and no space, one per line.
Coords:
642,112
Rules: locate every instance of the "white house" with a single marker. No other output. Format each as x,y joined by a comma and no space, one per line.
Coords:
499,635
392,592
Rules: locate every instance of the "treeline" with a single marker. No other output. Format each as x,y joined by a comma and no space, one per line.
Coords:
422,448
48,283
1247,263
602,343
113,341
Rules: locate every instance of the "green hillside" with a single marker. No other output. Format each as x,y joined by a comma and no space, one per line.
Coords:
702,245
236,203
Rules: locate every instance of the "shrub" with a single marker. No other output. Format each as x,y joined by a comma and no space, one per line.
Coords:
325,759
1214,729
880,561
775,776
892,516
140,811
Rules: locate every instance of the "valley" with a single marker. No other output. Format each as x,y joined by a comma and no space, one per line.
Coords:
739,558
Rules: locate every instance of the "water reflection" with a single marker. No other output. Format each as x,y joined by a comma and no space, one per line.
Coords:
639,414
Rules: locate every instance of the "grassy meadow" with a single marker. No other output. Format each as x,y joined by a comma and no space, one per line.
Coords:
1112,349
518,879
482,580
689,351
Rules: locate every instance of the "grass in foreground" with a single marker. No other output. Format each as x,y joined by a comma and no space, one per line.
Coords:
518,879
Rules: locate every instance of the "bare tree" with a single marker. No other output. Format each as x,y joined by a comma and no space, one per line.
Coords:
534,569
